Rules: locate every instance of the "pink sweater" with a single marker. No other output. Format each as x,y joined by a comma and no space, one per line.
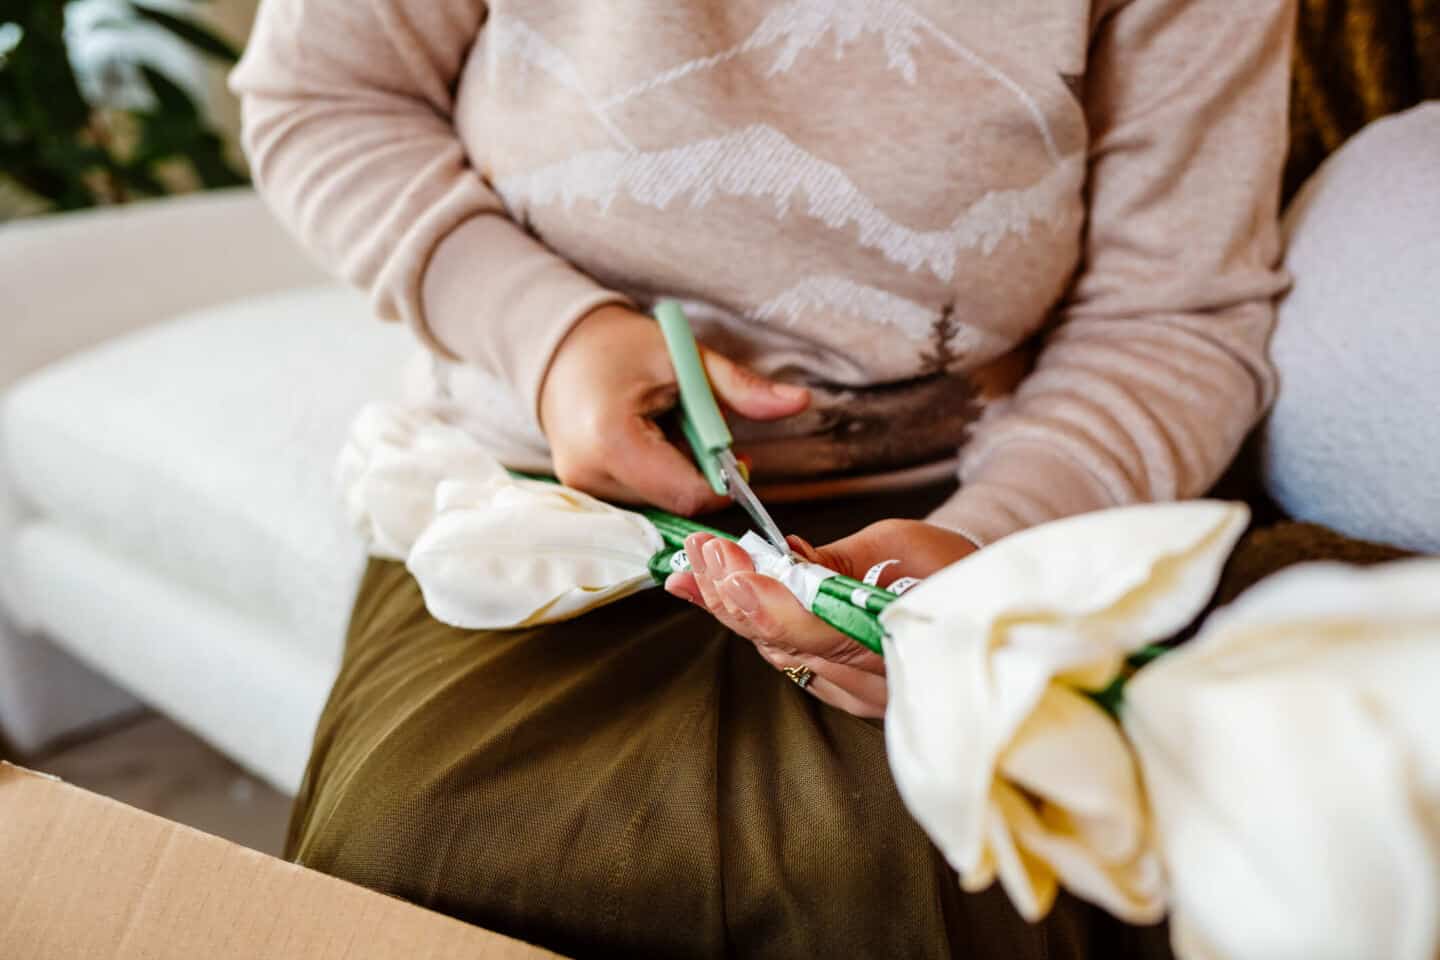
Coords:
1041,233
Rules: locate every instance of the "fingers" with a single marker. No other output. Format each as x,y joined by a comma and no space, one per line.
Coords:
683,585
636,464
847,675
775,618
751,395
849,688
610,375
857,553
759,607
844,686
869,702
723,581
922,548
711,560
659,473
803,547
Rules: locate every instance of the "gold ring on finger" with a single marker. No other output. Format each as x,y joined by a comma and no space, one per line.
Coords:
801,675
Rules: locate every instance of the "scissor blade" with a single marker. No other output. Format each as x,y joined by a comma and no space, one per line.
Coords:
740,492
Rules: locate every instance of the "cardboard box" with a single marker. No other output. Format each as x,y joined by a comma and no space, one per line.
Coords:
83,876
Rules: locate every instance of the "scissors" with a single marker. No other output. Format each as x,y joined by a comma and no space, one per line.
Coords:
705,427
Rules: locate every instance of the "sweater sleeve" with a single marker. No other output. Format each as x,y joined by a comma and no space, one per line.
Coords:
348,123
1156,367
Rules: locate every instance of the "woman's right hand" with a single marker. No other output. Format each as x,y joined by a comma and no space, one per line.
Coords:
607,382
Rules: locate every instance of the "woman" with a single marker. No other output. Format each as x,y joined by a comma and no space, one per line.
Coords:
1042,234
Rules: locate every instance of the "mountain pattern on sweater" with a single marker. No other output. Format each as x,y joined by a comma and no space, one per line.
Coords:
1040,234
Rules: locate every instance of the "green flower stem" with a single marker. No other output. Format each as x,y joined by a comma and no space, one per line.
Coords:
847,605
1146,654
1112,698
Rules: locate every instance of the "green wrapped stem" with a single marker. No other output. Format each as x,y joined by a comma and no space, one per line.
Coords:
846,604
836,603
1112,698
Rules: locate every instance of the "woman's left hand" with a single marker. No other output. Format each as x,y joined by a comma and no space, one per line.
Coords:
723,580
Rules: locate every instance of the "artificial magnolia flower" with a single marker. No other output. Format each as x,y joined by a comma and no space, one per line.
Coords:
489,550
1291,754
522,552
391,466
494,551
1006,764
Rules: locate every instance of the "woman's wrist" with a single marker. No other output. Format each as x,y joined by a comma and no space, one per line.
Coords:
494,297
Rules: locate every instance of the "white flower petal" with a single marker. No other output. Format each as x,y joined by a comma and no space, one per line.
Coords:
1136,573
1027,878
489,551
955,705
392,464
525,552
1006,768
1070,754
1291,753
1082,811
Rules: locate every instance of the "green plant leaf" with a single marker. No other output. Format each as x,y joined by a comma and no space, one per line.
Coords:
55,147
39,81
201,38
141,181
207,158
164,135
41,178
171,99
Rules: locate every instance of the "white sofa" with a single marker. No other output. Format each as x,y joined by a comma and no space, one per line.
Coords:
167,521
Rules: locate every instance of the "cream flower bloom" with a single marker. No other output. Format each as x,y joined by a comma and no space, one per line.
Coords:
390,467
522,552
490,551
1291,753
1009,768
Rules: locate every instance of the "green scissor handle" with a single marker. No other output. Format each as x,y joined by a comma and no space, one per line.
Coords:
701,420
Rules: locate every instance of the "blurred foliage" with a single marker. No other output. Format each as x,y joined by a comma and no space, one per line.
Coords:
70,153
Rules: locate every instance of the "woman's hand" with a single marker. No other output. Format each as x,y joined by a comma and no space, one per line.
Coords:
610,377
846,675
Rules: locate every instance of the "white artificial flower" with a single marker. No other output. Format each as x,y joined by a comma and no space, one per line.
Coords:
523,552
1006,764
1291,754
489,550
391,466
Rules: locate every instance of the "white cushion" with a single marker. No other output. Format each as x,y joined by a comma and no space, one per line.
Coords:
241,682
203,449
1354,439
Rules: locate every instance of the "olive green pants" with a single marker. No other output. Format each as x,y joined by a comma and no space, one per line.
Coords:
639,783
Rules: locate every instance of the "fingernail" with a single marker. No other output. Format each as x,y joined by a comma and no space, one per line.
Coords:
788,391
695,550
801,546
740,593
714,559
676,587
